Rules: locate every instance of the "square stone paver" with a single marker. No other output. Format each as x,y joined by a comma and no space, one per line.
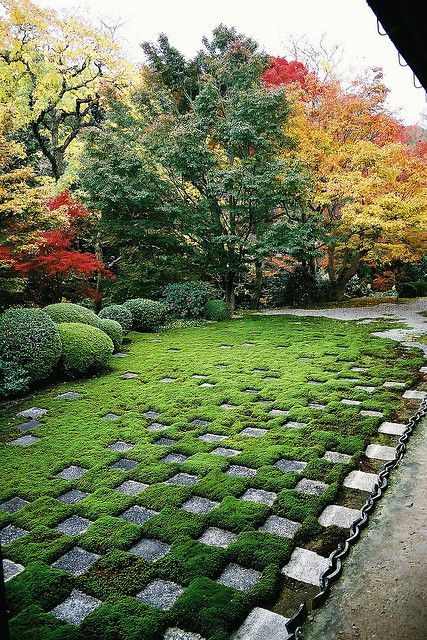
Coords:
13,505
206,385
183,479
414,394
24,441
338,516
248,344
120,445
316,405
150,549
151,414
225,346
110,416
198,423
129,375
262,624
352,403
336,457
228,453
259,496
174,458
215,537
161,594
295,425
74,525
34,413
131,487
76,561
239,471
120,355
212,437
270,378
280,526
305,566
11,533
73,496
380,452
228,406
167,380
165,442
361,387
124,464
28,426
371,414
394,385
199,376
73,472
239,577
199,505
314,487
253,432
278,412
250,390
157,426
69,395
359,369
11,569
173,633
360,480
392,428
287,466
76,608
138,515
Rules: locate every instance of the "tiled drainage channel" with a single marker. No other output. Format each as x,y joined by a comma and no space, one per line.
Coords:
262,624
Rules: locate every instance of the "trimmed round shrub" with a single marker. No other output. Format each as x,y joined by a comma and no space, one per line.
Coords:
187,299
407,290
70,312
84,348
217,310
30,338
147,315
119,313
114,330
13,379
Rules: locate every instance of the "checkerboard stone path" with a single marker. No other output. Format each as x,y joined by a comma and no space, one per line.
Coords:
157,426
138,515
150,549
239,577
290,466
360,480
182,479
368,413
174,458
414,395
13,505
77,561
120,445
11,533
173,633
73,496
199,505
124,464
253,432
74,525
215,537
280,526
228,453
338,516
305,566
262,624
380,452
73,472
392,428
239,471
11,569
76,608
212,437
259,496
336,457
131,487
161,594
314,487
110,416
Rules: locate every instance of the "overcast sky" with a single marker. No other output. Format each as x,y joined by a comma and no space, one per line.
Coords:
270,22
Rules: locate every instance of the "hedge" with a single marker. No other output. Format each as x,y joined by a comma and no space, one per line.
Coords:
147,315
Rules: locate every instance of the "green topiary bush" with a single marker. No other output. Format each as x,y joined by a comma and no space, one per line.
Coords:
217,310
29,338
147,315
84,348
120,314
114,330
187,299
407,290
70,312
13,379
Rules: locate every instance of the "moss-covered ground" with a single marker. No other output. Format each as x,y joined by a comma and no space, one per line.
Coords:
278,359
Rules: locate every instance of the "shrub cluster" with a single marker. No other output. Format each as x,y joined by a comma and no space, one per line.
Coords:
114,330
217,310
147,315
412,289
120,314
84,348
187,299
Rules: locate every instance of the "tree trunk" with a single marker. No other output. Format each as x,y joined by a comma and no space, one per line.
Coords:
258,284
229,288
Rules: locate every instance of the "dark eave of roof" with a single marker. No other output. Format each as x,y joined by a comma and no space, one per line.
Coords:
405,22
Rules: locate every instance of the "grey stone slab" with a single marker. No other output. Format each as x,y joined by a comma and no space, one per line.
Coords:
76,561
392,428
151,414
27,426
360,480
182,479
228,406
262,624
131,487
165,442
253,432
120,445
305,566
120,355
248,344
338,516
206,385
225,346
124,464
199,505
394,385
280,526
239,577
150,549
351,403
74,526
73,496
314,487
414,394
380,452
239,471
110,416
73,472
287,466
293,424
11,533
157,426
250,390
371,414
198,423
174,458
173,633
336,457
315,382
13,505
228,453
199,376
348,380
215,537
361,387
259,370
138,515
69,395
11,569
34,413
316,405
270,378
129,375
212,437
76,608
167,379
359,369
259,496
161,594
24,441
278,412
